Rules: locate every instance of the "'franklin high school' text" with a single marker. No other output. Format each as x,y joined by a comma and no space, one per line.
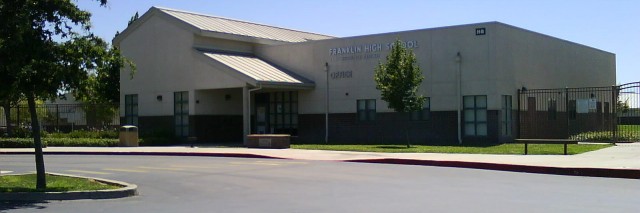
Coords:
369,48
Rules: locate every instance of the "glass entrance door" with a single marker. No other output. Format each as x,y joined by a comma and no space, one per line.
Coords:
280,113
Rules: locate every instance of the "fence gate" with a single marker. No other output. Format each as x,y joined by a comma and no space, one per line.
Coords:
603,114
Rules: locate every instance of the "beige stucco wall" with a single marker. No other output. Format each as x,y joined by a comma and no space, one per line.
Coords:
495,64
538,61
214,102
167,62
435,53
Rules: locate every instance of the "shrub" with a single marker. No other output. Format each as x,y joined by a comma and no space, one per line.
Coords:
606,136
87,142
66,142
113,134
21,132
16,143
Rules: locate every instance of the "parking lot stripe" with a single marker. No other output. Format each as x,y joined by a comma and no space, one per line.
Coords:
255,163
282,162
197,167
88,172
125,170
160,168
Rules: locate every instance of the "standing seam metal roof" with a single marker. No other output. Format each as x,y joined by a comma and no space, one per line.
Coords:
235,27
255,68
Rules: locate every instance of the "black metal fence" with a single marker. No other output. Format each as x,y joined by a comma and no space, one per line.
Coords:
587,114
64,117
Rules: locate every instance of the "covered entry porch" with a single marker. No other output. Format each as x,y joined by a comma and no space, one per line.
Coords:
266,104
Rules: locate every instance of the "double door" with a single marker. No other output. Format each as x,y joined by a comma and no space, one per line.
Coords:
276,113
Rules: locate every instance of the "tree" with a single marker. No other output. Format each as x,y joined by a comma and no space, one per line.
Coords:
103,85
133,19
47,54
399,79
622,106
9,96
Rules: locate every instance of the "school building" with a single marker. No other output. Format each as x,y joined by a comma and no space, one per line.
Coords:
220,79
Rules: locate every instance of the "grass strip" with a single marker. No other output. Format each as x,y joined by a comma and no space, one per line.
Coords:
27,183
534,149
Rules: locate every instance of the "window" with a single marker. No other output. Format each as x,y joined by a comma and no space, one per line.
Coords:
425,113
552,111
475,115
507,118
131,109
572,110
366,109
181,113
283,112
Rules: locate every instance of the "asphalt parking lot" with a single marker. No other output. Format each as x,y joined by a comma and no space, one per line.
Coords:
210,184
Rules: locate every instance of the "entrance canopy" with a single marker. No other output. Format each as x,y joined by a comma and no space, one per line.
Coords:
256,71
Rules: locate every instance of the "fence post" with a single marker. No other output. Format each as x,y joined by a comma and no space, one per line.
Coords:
614,96
57,117
18,116
566,110
518,118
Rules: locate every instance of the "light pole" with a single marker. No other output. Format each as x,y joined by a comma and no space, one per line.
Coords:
326,106
459,88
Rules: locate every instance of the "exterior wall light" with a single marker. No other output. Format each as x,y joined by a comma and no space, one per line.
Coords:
159,97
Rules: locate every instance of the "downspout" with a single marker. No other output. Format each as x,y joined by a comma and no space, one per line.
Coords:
459,88
326,106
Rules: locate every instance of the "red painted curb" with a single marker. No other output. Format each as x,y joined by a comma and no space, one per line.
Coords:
587,172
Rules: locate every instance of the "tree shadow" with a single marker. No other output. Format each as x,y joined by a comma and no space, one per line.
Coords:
11,205
395,147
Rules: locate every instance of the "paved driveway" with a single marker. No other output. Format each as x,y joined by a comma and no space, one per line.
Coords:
207,184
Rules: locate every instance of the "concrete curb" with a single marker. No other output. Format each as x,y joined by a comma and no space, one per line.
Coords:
127,190
587,172
187,154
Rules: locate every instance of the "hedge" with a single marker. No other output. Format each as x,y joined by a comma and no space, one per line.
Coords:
113,134
606,136
66,142
80,142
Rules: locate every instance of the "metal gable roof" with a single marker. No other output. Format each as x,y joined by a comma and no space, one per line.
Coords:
257,69
242,28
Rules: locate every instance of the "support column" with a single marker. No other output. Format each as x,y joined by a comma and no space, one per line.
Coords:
246,114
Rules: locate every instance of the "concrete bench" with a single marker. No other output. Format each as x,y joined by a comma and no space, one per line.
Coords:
274,141
528,141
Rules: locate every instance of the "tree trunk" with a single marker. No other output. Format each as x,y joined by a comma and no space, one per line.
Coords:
7,116
407,125
41,182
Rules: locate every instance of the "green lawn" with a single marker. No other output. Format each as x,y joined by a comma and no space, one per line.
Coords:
27,183
534,149
629,128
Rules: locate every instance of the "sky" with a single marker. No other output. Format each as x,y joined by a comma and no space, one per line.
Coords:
609,25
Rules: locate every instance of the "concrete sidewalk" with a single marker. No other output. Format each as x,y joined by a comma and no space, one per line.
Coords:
623,159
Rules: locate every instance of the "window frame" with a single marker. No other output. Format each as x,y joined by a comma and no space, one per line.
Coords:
507,115
552,109
369,111
425,113
283,110
131,109
181,113
476,122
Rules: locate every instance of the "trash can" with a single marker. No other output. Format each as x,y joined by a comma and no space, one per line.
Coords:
128,136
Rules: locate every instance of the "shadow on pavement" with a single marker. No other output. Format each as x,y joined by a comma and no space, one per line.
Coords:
10,205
